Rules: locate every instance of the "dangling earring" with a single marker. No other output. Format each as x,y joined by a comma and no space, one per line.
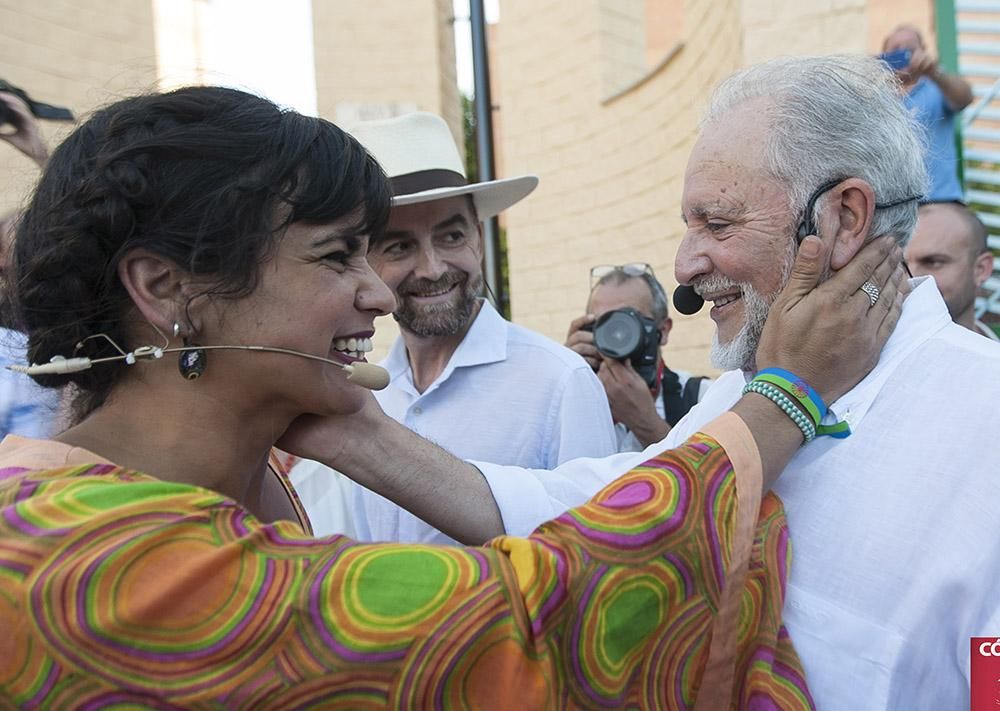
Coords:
191,363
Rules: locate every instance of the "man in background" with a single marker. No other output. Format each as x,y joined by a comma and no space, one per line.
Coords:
949,244
644,410
935,98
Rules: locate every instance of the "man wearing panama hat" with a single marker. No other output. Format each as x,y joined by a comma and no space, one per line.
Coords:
462,376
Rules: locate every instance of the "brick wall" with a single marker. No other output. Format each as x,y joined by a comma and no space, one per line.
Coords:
383,52
611,171
885,15
76,53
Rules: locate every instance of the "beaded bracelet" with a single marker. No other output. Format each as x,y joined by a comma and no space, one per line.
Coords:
797,388
786,405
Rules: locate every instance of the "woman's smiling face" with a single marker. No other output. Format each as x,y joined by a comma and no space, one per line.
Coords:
316,294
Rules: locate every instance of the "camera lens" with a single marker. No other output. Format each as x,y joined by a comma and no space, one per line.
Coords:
617,334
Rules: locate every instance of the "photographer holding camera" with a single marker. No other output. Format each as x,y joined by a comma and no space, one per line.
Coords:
19,128
620,336
935,98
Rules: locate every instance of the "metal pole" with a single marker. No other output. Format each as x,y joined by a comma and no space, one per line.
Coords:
483,103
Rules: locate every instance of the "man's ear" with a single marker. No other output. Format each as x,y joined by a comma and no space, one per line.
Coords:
665,327
982,268
158,288
850,208
481,243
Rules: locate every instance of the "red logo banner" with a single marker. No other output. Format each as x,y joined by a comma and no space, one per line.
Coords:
985,674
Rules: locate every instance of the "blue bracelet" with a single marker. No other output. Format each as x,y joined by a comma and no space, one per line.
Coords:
801,389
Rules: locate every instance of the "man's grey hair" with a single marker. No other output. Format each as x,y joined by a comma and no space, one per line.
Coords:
832,118
656,291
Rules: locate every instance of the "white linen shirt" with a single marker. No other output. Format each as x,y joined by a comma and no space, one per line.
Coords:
507,394
895,530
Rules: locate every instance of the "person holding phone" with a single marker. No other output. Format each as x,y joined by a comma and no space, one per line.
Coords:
935,98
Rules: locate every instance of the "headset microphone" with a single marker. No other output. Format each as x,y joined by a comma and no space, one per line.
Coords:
362,374
687,301
366,375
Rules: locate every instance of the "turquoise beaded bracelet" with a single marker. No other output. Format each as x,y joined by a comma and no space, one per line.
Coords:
779,398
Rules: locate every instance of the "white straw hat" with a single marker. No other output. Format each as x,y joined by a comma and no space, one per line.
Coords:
418,153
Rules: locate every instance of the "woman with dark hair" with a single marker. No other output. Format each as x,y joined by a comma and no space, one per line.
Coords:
150,555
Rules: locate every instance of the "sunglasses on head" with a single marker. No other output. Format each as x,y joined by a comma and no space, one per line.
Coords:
632,269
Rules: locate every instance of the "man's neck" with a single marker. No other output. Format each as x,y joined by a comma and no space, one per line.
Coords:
429,355
967,319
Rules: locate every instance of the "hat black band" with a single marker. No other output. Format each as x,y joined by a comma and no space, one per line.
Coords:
426,180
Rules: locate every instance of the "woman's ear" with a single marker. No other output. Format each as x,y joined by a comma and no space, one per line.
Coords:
850,207
157,286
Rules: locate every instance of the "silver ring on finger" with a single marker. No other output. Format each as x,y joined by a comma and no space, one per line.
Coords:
872,291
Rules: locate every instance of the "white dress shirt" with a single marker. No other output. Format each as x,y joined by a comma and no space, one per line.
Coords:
895,530
507,394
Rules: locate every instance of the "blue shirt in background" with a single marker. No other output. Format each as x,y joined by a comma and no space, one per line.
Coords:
932,112
26,408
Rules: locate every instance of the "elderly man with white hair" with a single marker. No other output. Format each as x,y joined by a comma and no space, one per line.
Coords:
894,526
893,516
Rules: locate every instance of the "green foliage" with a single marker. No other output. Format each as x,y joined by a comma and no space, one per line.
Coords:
469,133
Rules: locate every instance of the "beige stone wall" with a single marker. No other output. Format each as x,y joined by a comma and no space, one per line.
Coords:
885,15
611,170
664,28
621,29
385,53
774,28
75,53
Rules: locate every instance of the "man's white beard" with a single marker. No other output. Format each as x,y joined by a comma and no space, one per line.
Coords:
741,351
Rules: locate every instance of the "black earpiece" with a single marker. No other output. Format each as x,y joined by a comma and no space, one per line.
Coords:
807,227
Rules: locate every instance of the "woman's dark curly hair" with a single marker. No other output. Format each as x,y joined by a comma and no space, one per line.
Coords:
205,176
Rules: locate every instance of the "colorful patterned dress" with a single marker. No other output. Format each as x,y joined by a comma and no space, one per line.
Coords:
120,588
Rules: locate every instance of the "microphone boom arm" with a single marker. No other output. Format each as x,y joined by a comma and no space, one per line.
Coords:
366,375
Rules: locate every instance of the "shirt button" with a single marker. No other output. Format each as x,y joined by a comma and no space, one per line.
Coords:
417,410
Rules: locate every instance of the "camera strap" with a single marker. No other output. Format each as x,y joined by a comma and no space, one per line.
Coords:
676,400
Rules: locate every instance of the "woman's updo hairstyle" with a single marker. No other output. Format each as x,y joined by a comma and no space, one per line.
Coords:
205,176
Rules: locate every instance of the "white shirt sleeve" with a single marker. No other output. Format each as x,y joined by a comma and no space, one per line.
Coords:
580,423
325,494
529,497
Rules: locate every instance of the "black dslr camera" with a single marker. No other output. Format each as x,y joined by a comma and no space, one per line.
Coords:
38,109
625,334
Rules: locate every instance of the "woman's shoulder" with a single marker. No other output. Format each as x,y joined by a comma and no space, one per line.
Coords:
30,453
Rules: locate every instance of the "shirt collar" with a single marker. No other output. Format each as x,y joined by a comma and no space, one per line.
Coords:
485,342
924,315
